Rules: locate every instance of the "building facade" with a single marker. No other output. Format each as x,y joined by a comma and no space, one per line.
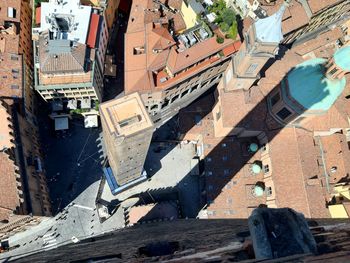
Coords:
22,173
69,51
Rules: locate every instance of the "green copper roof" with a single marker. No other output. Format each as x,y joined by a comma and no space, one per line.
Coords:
253,147
258,191
342,58
256,168
309,86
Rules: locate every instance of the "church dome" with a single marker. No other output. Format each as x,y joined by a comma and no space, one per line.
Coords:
310,87
342,58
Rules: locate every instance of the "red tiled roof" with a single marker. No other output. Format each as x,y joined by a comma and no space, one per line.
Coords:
94,21
38,15
231,48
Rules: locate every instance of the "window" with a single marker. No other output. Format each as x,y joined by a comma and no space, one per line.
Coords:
268,191
226,172
208,159
15,71
198,120
155,106
165,103
11,12
14,87
14,57
266,168
275,98
218,115
174,98
284,113
209,173
211,213
139,50
194,88
185,92
333,71
224,158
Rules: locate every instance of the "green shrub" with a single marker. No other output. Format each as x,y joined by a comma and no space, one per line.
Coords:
220,40
232,33
228,16
224,27
97,104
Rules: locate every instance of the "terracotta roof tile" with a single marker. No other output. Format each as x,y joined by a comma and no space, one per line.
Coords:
38,15
71,60
92,36
317,5
297,170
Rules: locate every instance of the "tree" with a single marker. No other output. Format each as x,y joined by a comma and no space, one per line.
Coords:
228,16
232,32
224,27
220,40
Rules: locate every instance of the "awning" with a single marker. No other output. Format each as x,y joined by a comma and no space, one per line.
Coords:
90,121
72,104
85,104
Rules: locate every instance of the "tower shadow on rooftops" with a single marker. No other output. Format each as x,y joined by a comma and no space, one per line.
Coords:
236,160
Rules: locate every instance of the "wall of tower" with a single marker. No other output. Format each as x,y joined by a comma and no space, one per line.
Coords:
251,58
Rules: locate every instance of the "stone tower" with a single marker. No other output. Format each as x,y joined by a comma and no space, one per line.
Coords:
127,133
260,44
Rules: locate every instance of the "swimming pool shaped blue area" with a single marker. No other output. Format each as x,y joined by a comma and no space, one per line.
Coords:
309,86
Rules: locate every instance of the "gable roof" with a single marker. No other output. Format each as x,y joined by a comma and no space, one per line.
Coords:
60,59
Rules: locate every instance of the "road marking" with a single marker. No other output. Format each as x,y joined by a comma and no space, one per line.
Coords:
84,207
49,241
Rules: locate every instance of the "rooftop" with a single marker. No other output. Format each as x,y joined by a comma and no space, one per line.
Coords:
126,115
298,170
155,211
296,15
60,56
68,20
156,43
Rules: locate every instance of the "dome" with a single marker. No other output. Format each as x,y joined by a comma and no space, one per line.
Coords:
342,58
256,168
253,147
310,87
